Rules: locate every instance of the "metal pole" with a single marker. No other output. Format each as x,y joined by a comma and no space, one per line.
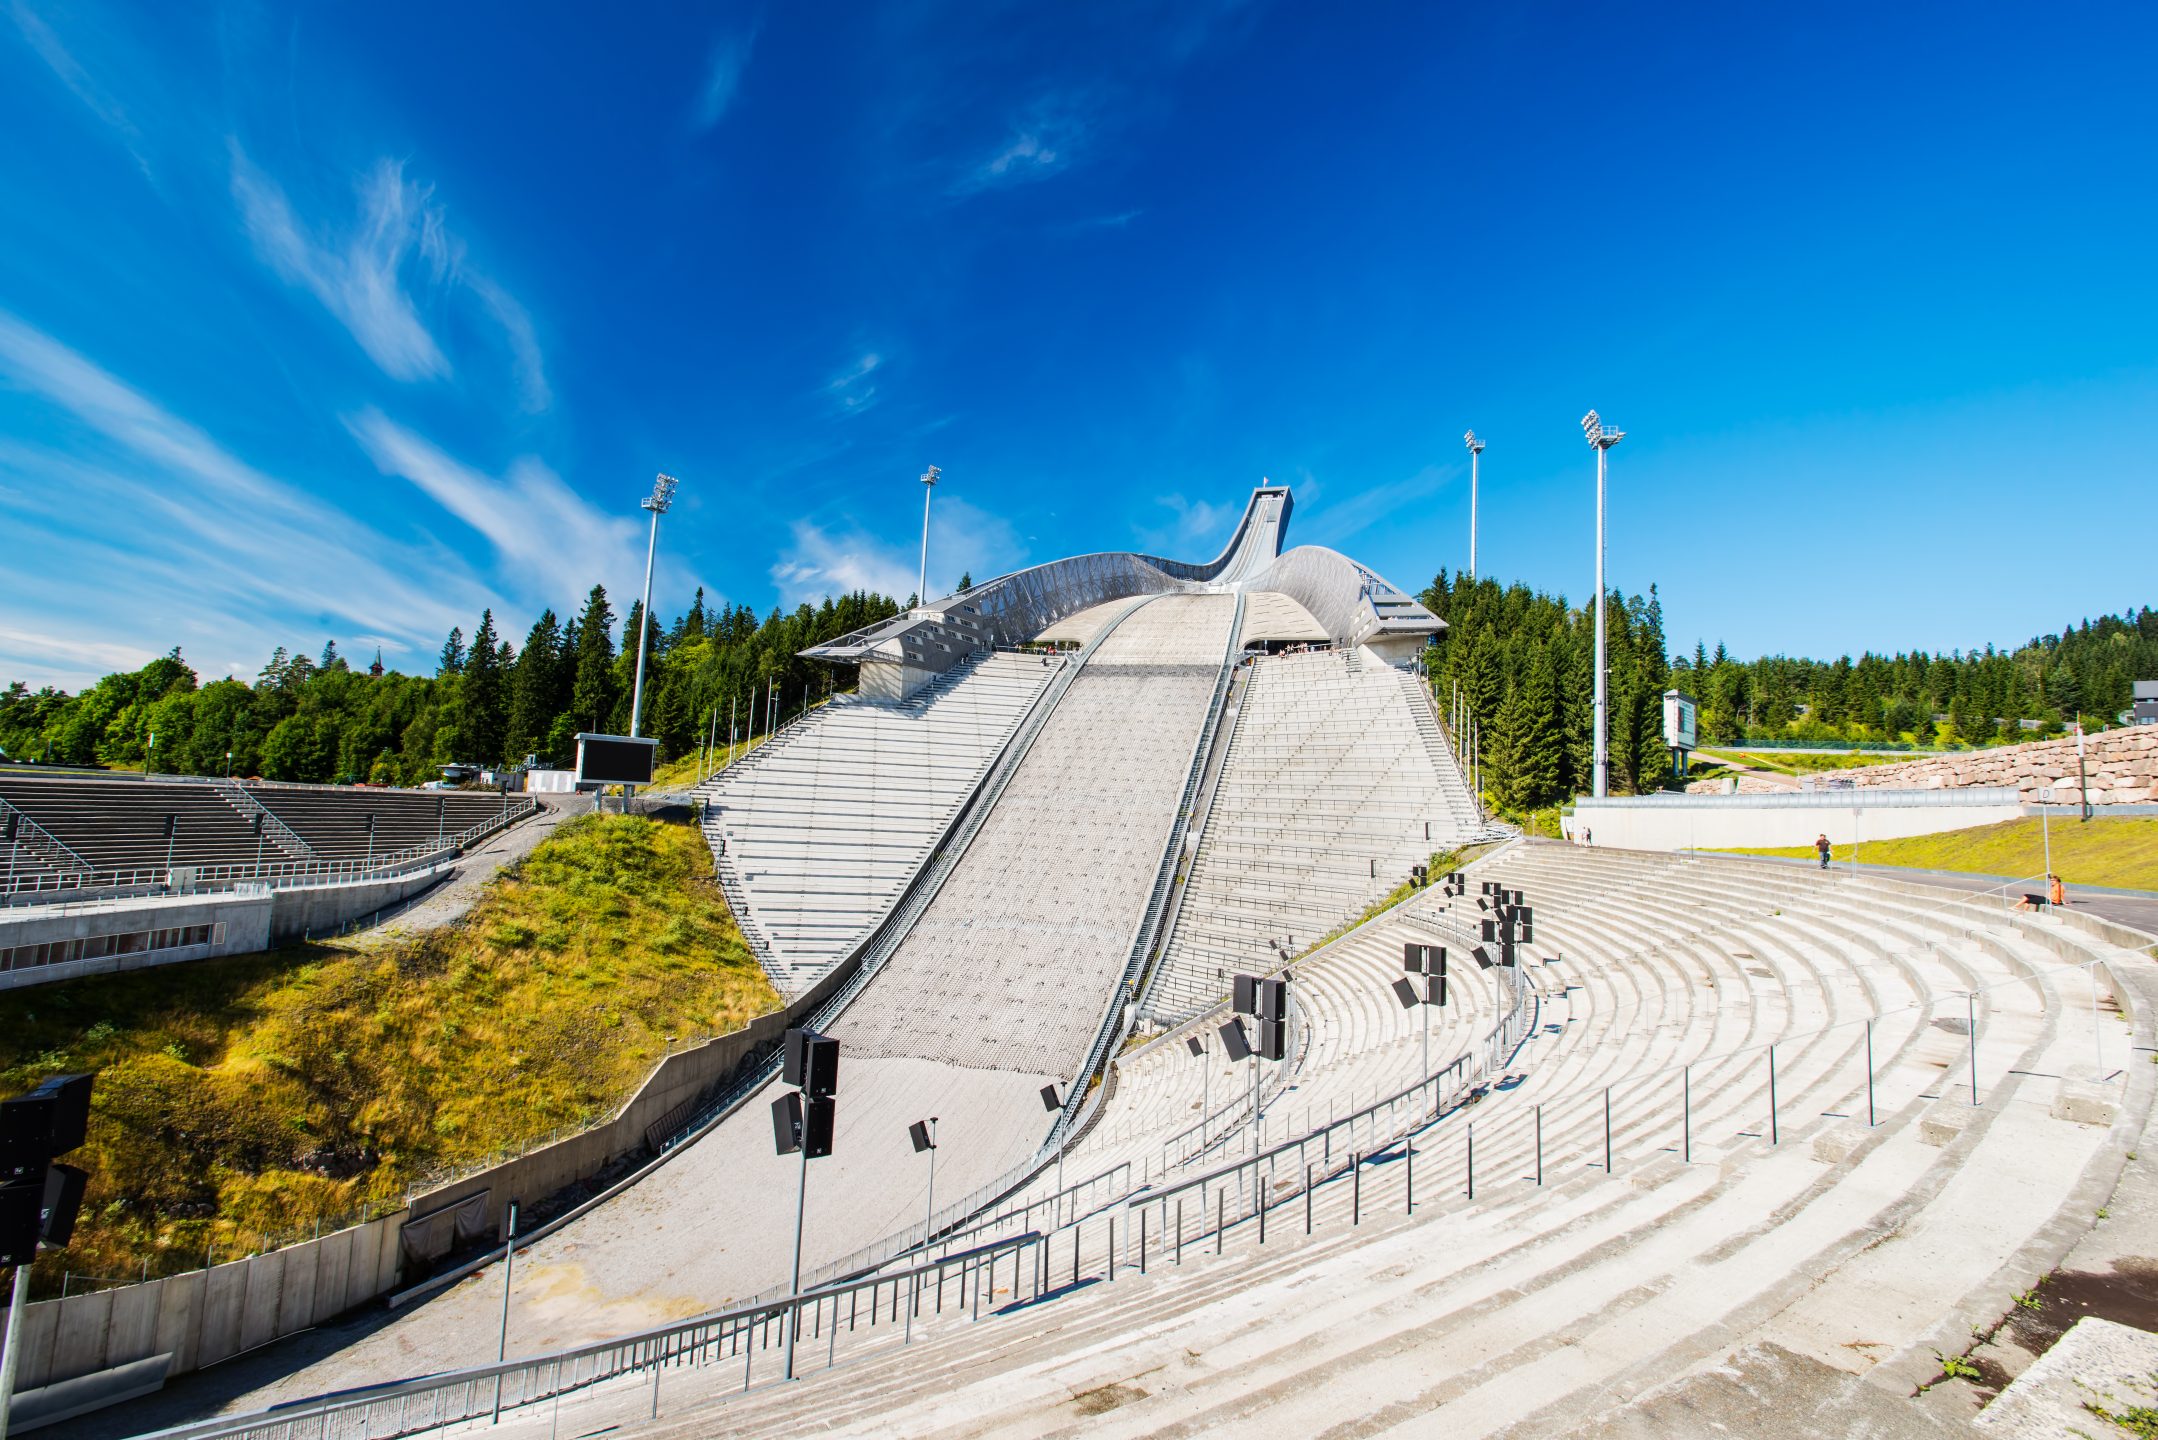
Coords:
929,485
2045,829
502,1347
1255,1107
794,1292
1472,1160
1869,1072
1687,1091
644,627
1474,452
1970,1004
1607,1129
13,1344
1539,1146
2083,776
1775,1137
1600,783
929,1219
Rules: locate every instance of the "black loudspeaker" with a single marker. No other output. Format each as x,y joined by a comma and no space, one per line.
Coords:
1412,957
1274,999
1405,992
820,1117
812,1063
1233,1041
70,1096
1194,1044
1434,988
1244,995
918,1132
1273,1039
64,1185
1528,932
25,1137
1491,930
22,1208
1050,1099
1483,958
787,1122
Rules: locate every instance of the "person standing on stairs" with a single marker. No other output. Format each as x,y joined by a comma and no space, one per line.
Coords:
1821,844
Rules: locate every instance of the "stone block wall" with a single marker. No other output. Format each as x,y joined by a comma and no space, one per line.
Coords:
2122,766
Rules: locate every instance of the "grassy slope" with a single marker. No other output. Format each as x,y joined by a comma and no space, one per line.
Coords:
2121,851
256,1095
1788,764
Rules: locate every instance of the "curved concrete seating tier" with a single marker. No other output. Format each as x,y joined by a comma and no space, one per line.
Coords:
1735,1210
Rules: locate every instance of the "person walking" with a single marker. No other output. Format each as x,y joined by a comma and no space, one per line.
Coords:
1821,845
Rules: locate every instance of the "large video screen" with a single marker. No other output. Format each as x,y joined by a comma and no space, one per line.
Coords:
614,760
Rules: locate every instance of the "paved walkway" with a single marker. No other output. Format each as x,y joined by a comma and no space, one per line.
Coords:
455,896
2137,909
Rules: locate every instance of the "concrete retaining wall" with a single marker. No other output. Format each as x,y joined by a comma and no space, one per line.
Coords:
206,1316
254,919
1716,822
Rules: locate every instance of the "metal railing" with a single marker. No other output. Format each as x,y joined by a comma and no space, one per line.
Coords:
182,878
48,847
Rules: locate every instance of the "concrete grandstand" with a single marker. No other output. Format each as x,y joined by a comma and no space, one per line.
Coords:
1714,1111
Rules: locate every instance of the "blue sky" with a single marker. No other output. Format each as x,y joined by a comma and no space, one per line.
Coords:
345,321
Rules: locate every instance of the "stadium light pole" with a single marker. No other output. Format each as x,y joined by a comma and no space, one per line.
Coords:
657,502
1592,427
1476,448
929,485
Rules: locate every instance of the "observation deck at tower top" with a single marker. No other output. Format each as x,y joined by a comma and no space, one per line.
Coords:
1352,603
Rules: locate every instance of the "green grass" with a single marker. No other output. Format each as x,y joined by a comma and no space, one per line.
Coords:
1786,764
256,1096
2119,851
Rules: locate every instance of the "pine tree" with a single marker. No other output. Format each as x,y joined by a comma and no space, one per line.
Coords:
485,694
532,687
331,660
592,689
453,653
1534,743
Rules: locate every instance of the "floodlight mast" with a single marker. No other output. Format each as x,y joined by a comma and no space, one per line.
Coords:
929,486
1476,448
1592,429
657,502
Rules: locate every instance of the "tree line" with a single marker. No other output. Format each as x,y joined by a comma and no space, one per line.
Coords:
1522,664
488,702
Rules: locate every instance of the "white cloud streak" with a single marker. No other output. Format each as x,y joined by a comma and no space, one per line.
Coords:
162,529
1043,140
360,275
723,78
544,532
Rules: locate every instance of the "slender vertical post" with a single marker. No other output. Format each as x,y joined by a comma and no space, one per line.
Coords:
1472,1159
1356,1188
1970,1005
1607,1129
13,1342
929,485
1869,1073
794,1292
1539,1146
1599,780
662,495
509,1266
1774,1135
1307,1199
1686,1082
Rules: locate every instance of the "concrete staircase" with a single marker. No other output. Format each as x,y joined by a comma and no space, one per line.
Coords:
1857,1235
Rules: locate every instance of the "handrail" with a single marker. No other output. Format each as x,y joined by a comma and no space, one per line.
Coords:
60,852
286,838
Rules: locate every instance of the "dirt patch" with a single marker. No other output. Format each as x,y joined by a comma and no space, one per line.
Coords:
2128,1293
1106,1398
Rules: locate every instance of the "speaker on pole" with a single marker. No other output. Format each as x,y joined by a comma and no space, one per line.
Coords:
787,1123
1234,1041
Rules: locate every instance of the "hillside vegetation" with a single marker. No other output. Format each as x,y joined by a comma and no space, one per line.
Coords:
2120,851
253,1097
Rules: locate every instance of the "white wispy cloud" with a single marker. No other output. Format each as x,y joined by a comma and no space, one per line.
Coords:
62,62
963,540
546,534
145,526
366,273
1042,140
723,77
1322,519
1197,529
855,388
357,277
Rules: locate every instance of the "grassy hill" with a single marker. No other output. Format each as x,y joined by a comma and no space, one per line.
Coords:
2117,851
255,1096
